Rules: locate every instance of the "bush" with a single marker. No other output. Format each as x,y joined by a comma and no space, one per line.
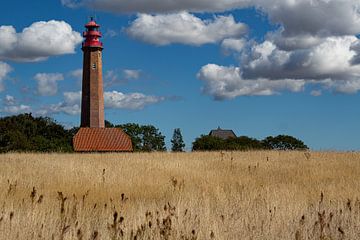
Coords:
26,133
243,143
145,138
284,142
208,143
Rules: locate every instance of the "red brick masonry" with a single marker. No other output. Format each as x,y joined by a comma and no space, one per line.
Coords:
102,140
92,106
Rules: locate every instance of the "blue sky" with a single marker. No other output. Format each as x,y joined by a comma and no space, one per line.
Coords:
263,67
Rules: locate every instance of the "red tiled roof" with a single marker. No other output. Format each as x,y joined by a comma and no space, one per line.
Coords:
102,140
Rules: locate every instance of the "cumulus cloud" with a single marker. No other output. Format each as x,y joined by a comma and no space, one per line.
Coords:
266,70
72,98
233,45
351,86
72,3
158,6
323,54
77,73
5,69
47,83
17,109
11,106
111,33
184,28
227,83
111,77
9,100
346,87
131,74
314,17
306,17
316,42
316,93
115,76
38,41
71,104
133,101
329,59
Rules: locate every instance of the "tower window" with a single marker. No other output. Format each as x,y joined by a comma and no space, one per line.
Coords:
94,66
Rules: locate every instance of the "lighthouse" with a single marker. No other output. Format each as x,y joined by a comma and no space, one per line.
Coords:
92,135
92,101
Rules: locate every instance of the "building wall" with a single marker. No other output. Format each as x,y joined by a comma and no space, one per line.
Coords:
92,106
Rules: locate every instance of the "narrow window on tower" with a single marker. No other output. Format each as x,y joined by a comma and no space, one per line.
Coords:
94,66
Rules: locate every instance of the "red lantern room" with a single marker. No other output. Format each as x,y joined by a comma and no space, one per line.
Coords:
92,35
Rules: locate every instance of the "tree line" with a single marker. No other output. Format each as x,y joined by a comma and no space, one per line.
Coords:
26,133
244,143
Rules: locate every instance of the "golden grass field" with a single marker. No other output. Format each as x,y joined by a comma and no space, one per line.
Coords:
220,195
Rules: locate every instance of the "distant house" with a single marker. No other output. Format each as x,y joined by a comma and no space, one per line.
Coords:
223,134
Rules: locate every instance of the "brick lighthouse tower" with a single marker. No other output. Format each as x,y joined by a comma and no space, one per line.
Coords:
92,105
93,136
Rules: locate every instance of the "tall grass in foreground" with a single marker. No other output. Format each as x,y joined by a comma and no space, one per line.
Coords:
221,195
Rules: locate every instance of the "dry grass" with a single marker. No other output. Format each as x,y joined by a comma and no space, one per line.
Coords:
223,195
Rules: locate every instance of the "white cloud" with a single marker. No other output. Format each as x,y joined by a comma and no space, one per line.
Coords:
47,83
317,17
71,105
61,107
152,6
233,45
134,101
113,77
300,41
184,28
38,41
314,17
17,109
5,69
71,3
72,97
9,100
315,42
309,19
265,70
11,107
131,74
329,59
77,74
351,86
316,93
111,33
347,86
227,83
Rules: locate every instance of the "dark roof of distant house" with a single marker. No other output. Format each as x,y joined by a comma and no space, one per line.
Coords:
223,134
102,140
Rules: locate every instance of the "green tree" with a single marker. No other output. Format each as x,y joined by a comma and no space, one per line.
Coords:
177,141
108,124
284,142
153,140
144,137
208,143
26,133
135,133
243,143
